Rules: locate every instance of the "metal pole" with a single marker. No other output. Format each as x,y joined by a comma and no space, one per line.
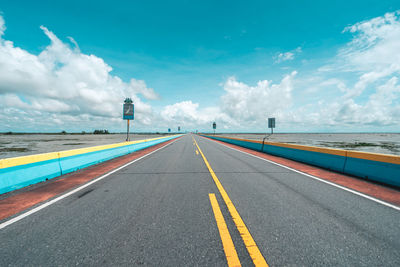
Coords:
265,137
127,130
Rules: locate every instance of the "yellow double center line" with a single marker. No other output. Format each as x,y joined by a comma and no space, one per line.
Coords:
229,248
254,252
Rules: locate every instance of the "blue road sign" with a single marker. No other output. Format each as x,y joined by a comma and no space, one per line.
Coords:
128,111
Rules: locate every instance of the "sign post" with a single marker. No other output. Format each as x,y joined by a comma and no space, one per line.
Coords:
128,114
271,124
214,126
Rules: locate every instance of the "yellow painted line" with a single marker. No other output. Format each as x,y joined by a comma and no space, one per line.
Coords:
11,162
374,157
227,243
197,152
254,252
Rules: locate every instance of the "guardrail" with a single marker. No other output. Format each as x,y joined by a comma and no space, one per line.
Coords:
22,171
372,166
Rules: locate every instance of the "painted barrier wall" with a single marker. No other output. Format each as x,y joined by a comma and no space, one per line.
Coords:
22,171
377,167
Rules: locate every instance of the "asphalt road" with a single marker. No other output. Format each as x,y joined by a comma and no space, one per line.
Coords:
157,212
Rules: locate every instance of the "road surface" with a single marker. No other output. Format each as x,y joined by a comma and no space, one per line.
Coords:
161,211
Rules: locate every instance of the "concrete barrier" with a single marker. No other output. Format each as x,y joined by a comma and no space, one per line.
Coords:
18,172
72,160
372,166
332,159
22,171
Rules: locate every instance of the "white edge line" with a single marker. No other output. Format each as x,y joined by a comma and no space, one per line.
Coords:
314,177
38,208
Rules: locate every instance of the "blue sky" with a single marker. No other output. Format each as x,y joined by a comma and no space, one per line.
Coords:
236,62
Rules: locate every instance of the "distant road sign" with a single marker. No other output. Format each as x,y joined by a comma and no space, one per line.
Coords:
169,130
214,125
271,122
128,111
179,128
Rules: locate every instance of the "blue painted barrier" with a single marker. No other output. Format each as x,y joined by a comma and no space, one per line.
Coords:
20,176
376,167
367,166
328,161
79,161
19,172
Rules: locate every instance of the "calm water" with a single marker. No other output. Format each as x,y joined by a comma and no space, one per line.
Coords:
28,144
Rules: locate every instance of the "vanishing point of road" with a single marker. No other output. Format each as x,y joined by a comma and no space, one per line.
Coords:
197,202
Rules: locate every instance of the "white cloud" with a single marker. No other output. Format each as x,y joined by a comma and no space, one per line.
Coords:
333,101
2,26
379,109
140,87
373,50
241,106
182,111
253,104
188,114
286,56
359,90
373,57
369,99
65,81
72,40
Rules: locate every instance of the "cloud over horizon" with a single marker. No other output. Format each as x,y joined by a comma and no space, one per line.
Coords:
372,57
61,83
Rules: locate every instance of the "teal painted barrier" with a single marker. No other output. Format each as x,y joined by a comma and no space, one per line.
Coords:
327,161
20,176
80,161
72,163
19,172
380,171
376,167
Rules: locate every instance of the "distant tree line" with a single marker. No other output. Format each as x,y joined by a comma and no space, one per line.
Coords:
100,132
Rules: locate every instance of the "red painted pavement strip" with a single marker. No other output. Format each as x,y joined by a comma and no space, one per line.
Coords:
375,190
19,202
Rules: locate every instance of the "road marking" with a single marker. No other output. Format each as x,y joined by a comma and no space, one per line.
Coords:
197,152
227,243
318,179
38,208
254,252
